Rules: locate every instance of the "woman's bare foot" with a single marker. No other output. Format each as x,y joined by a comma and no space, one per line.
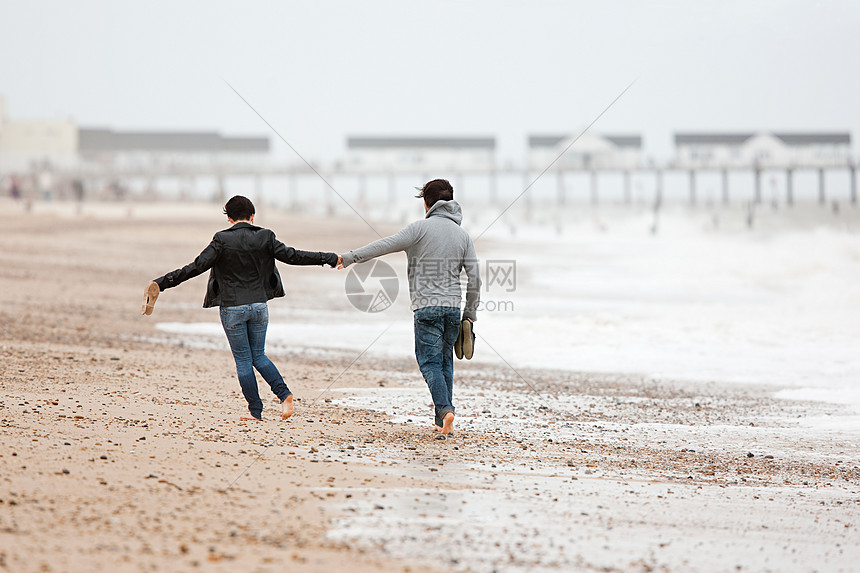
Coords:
447,423
250,418
287,407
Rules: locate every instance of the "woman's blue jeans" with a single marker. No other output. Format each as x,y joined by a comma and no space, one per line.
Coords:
436,331
245,326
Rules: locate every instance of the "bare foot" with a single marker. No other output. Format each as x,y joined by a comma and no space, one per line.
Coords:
250,418
287,407
447,423
436,428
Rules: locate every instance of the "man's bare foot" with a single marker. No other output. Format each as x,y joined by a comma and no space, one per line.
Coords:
250,418
287,407
436,428
447,423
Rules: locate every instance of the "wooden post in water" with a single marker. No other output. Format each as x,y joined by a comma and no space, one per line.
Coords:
560,185
593,187
291,188
362,189
494,184
392,189
692,186
757,198
528,195
821,196
853,184
627,195
789,186
725,186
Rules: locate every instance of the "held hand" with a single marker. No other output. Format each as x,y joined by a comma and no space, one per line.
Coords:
339,262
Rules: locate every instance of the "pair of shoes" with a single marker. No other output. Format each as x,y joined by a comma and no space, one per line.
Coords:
464,347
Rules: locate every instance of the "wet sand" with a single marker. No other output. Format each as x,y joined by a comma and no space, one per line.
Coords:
122,448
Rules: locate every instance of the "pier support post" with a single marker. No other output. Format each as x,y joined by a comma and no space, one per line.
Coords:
821,195
692,186
528,195
593,187
362,189
757,198
627,194
789,187
853,184
392,189
291,189
560,185
725,186
494,185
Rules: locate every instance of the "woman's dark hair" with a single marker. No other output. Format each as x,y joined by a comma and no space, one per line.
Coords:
436,190
239,208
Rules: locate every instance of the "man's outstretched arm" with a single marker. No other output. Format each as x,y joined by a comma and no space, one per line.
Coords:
397,242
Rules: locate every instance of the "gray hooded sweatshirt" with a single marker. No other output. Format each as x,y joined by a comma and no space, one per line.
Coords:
437,249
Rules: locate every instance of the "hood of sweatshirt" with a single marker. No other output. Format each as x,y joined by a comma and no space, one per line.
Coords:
448,209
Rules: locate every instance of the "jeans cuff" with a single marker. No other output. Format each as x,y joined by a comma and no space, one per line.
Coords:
441,413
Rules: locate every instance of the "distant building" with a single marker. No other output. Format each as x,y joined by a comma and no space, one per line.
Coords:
590,151
44,145
420,153
27,145
765,149
142,149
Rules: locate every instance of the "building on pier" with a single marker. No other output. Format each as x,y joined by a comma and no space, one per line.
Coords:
588,151
764,149
420,153
166,149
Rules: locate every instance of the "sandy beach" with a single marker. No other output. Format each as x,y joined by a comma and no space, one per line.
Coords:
122,449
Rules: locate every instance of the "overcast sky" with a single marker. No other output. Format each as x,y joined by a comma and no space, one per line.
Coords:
320,71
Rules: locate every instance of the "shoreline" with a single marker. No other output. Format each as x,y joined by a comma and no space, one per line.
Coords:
616,473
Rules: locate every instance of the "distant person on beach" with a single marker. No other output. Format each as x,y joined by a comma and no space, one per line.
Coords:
438,249
242,279
15,190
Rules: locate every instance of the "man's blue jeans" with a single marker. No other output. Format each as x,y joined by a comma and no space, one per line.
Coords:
245,327
436,331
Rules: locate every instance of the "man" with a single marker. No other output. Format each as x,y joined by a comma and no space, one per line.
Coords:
437,250
242,279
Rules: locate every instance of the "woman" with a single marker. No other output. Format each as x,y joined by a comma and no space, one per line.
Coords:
242,278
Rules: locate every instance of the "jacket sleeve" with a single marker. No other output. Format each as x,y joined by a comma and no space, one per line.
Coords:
473,284
201,264
293,256
398,242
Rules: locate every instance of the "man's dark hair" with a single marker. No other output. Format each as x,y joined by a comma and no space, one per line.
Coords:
436,190
239,208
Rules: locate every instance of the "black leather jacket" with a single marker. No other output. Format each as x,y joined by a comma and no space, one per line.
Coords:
242,263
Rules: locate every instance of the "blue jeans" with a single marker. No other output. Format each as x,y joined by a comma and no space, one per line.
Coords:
245,326
436,331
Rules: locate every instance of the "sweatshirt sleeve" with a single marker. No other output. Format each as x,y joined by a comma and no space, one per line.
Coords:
200,265
473,284
397,242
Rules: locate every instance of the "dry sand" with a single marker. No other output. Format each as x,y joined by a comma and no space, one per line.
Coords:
122,448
